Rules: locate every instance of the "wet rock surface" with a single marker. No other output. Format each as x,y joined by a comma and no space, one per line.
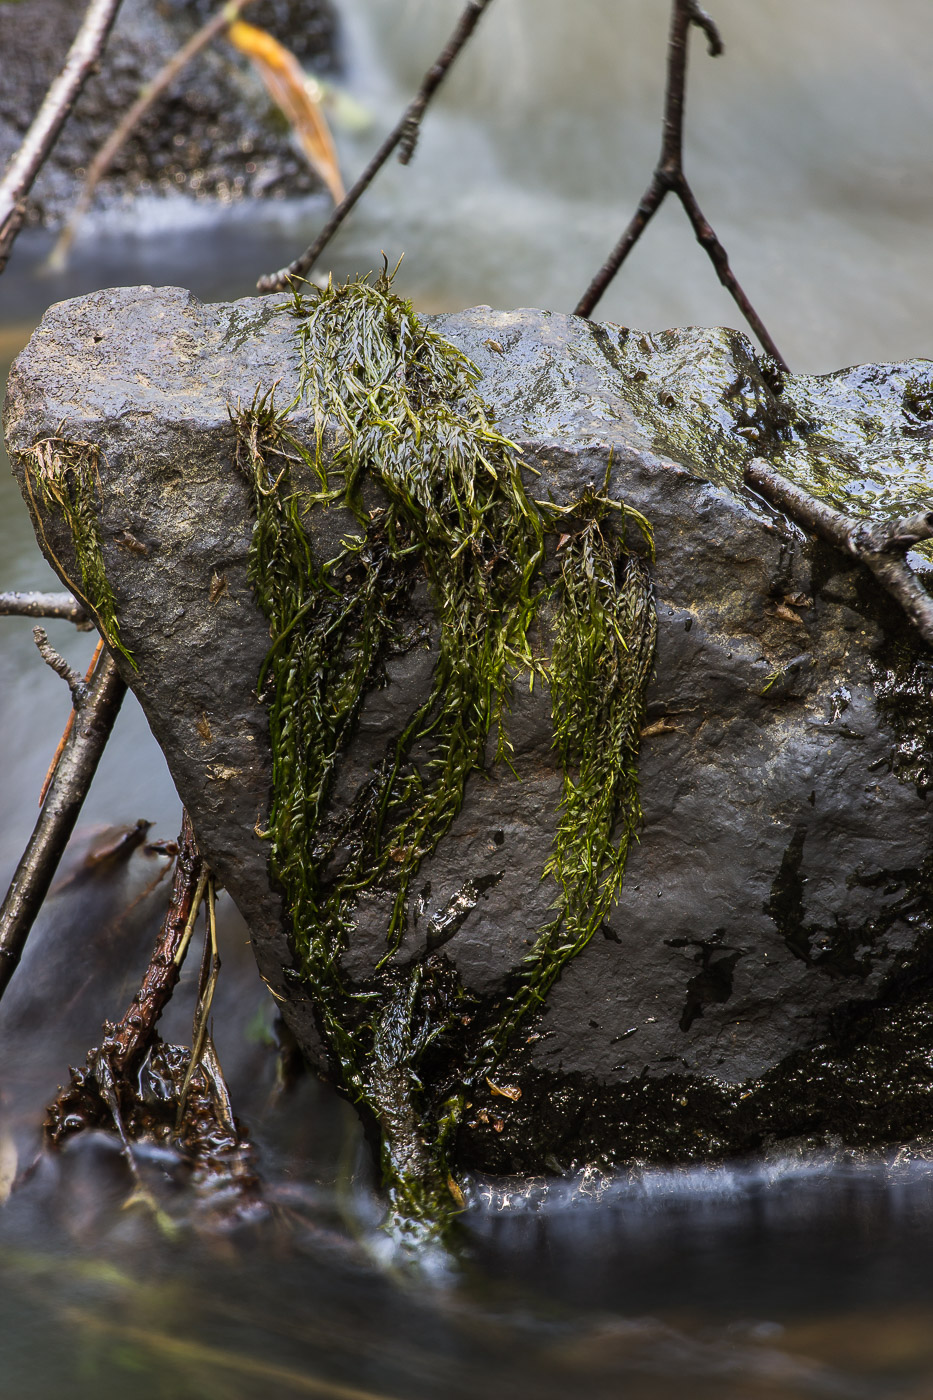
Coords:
214,135
767,970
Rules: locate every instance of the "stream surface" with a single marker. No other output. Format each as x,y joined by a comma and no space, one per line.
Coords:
810,145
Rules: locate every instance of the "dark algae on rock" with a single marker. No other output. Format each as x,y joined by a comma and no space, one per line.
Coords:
449,595
411,431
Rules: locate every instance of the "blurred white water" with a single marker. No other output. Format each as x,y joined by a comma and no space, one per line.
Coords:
808,144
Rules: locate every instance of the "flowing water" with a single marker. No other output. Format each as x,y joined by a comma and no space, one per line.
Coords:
809,145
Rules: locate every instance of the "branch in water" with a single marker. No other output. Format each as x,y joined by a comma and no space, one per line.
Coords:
129,1039
42,135
404,135
669,178
879,546
69,787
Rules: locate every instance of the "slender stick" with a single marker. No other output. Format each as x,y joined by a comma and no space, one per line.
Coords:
669,178
61,605
127,124
42,135
59,665
879,546
207,984
128,1040
36,869
404,135
66,735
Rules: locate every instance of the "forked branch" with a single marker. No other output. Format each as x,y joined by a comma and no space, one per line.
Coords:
879,546
42,135
403,135
669,178
59,665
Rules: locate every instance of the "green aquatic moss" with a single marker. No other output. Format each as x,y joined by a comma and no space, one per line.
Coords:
402,440
66,474
601,662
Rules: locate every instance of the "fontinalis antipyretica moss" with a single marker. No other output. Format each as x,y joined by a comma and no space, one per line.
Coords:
395,406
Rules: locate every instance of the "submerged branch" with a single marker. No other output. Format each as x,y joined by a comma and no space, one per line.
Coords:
69,787
128,1040
669,178
42,135
59,605
128,123
403,135
879,546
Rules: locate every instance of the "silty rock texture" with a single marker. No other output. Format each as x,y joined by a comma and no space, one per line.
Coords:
214,135
767,971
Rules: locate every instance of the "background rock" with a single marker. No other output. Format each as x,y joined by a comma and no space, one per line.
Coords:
213,135
768,967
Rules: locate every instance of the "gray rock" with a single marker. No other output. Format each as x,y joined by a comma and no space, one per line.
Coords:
214,135
768,966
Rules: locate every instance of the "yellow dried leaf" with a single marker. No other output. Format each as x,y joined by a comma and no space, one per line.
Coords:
297,96
505,1091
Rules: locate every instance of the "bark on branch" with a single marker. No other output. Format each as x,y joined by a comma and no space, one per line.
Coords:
669,178
69,787
127,1041
879,546
42,135
403,135
59,665
60,605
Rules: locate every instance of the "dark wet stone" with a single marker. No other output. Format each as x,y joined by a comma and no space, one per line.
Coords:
764,970
213,135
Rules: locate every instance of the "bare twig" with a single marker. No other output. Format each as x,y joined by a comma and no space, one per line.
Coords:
127,1041
42,135
60,605
124,129
207,983
669,178
66,735
36,869
879,546
60,666
403,135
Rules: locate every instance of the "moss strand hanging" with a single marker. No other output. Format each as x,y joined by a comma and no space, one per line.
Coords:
402,440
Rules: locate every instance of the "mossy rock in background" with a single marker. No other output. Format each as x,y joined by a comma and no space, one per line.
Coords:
767,969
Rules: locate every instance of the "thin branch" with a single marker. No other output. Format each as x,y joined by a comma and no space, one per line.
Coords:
66,735
36,870
128,1040
669,178
207,984
403,135
59,665
60,605
124,129
42,135
879,546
